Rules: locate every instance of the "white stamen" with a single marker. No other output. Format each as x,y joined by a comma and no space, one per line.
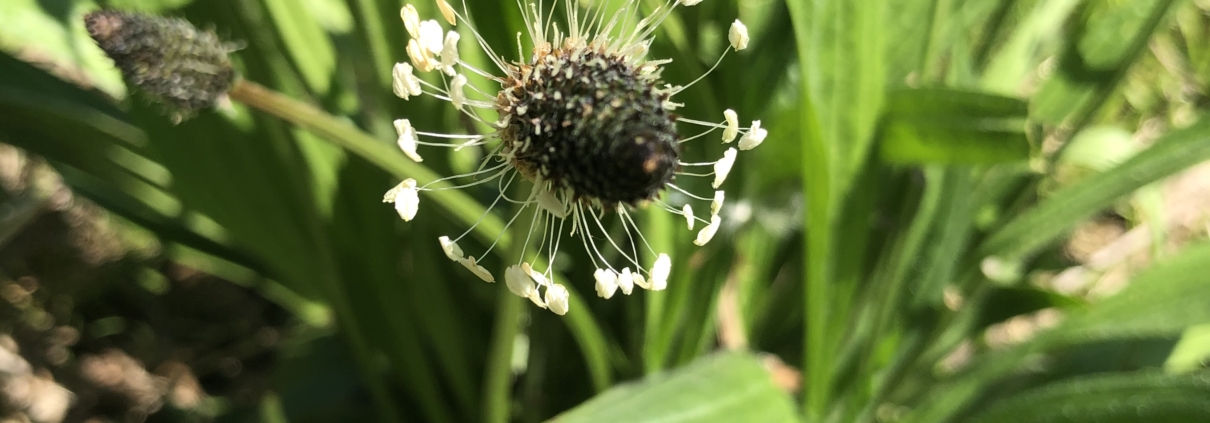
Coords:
478,270
405,197
403,82
659,272
407,139
626,281
411,20
732,126
738,35
687,211
754,137
518,282
716,204
447,12
430,36
451,248
556,298
723,166
457,97
704,235
689,2
607,283
449,52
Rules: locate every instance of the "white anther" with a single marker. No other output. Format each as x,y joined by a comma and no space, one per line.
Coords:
447,12
626,281
430,36
420,57
723,166
689,2
407,139
754,137
403,82
478,270
449,52
518,282
451,248
607,283
738,35
411,20
687,211
704,235
548,202
556,298
716,204
637,278
406,199
538,278
732,128
457,97
659,272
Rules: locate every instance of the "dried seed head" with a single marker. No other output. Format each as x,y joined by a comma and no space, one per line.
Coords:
173,63
591,123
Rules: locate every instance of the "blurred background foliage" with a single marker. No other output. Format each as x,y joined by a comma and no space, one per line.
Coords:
966,211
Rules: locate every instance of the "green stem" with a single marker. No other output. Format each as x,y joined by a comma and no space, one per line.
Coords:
497,383
497,379
464,209
382,155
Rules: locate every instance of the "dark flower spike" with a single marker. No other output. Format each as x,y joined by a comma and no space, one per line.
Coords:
177,66
587,120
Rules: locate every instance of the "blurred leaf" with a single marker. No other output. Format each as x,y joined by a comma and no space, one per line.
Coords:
1010,65
840,49
1049,220
1107,42
1003,303
308,44
951,142
1192,352
51,33
725,387
956,103
938,125
1161,301
1130,397
1099,148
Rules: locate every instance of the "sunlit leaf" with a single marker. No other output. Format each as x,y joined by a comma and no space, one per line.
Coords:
723,387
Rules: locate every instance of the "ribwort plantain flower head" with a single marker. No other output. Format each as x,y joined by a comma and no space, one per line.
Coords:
177,66
586,120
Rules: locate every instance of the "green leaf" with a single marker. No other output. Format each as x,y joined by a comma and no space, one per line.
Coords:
951,142
1107,42
955,103
1130,397
1002,303
938,125
1017,58
1161,301
1192,352
308,44
1099,148
52,33
1051,219
840,46
725,387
